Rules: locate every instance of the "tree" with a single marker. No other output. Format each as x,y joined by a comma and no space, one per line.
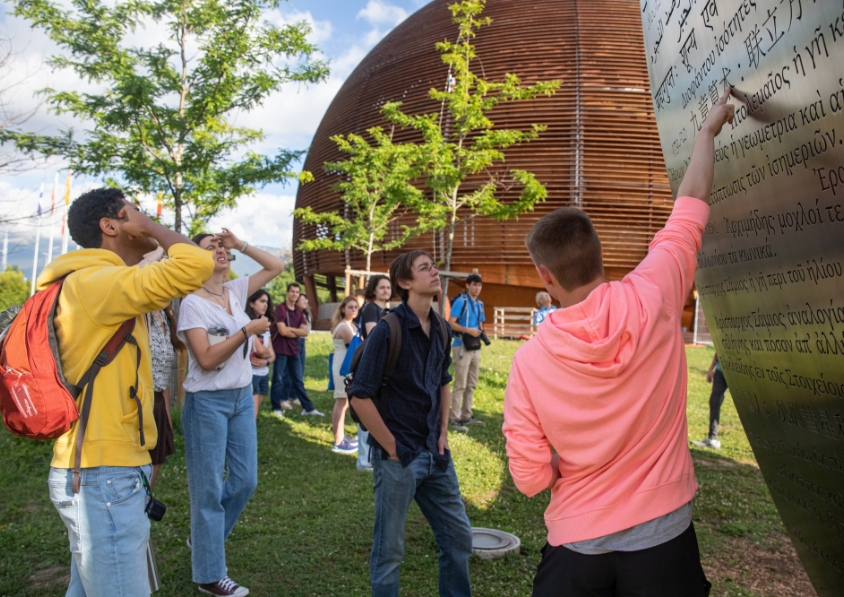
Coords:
14,288
466,143
165,119
11,161
377,191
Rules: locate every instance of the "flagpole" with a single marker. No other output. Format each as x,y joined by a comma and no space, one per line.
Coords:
67,186
37,242
52,223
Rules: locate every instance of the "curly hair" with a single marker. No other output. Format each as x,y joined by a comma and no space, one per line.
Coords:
84,215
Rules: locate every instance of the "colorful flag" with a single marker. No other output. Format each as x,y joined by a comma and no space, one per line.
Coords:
53,194
67,186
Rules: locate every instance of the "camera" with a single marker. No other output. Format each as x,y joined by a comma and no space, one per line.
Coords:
155,510
485,339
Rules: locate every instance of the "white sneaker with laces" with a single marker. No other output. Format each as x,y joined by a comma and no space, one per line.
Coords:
279,413
312,413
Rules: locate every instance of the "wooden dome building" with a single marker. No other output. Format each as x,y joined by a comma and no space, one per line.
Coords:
601,151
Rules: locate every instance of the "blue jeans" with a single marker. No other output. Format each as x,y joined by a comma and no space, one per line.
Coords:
288,386
107,529
364,449
438,495
219,429
288,367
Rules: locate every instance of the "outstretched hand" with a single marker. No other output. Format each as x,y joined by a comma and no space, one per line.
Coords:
720,114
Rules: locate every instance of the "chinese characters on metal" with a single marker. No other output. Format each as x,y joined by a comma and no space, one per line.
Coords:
771,270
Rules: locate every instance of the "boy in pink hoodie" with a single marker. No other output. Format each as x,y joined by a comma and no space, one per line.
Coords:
603,384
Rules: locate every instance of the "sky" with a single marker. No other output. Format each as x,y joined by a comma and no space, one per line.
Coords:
344,30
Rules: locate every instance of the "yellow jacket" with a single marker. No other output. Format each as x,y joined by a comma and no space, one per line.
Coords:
100,292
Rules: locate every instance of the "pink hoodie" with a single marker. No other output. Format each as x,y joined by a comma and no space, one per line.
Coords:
604,384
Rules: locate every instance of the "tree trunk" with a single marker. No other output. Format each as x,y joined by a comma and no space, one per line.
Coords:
177,207
448,250
369,255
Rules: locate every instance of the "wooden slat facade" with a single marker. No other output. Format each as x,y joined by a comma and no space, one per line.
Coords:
601,151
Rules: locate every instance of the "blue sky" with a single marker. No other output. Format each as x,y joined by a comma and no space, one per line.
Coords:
345,30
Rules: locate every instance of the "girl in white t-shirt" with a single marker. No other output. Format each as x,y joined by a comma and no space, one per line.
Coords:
342,331
258,305
218,419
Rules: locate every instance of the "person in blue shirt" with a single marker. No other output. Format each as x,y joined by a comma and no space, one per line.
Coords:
543,302
408,432
466,319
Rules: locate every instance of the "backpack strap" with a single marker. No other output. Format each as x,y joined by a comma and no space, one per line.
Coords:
463,310
394,347
122,336
443,332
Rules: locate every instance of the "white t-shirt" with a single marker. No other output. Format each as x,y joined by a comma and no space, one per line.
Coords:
265,370
195,312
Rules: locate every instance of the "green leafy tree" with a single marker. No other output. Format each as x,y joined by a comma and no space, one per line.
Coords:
165,119
377,191
14,288
463,141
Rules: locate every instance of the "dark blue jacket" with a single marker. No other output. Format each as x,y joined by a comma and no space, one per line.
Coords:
410,404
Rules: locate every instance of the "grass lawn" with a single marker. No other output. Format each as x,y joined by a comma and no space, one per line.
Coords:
308,529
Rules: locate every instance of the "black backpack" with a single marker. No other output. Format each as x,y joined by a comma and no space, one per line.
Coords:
392,359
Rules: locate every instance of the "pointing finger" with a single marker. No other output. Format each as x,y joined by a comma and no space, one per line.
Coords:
727,92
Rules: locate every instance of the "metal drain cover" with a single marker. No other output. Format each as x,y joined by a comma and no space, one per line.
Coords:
491,544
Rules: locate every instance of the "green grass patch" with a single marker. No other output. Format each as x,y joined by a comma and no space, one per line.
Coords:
308,529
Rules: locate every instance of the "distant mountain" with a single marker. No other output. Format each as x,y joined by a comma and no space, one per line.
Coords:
245,266
21,252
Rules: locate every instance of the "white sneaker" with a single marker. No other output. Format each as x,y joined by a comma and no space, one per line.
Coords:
296,402
708,443
279,414
285,404
311,413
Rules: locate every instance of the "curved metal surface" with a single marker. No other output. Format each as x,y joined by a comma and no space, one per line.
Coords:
770,270
601,150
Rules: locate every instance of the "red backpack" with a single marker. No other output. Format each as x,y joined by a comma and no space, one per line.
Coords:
36,400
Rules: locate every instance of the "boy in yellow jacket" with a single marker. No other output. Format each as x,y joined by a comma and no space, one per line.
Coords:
103,287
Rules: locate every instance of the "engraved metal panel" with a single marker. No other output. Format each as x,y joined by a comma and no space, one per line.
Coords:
771,271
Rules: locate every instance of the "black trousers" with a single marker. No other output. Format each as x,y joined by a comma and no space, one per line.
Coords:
669,570
716,399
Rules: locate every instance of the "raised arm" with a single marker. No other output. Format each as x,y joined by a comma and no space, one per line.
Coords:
672,255
133,221
272,265
697,181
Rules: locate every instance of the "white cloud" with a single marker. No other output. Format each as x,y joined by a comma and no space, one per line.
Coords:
378,12
289,118
262,219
